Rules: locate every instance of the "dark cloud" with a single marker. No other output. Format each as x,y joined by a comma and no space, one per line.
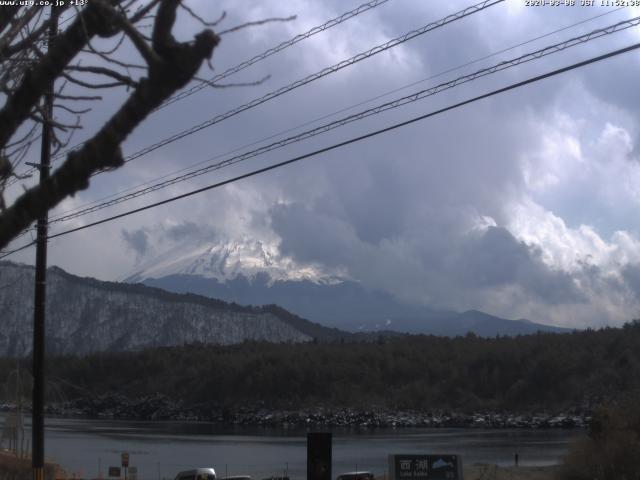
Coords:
137,240
447,266
616,82
312,237
376,205
631,275
498,259
190,231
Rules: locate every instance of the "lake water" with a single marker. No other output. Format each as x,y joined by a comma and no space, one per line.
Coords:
160,449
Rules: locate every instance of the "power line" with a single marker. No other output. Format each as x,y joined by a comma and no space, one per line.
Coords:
395,126
420,95
247,63
361,56
270,137
299,83
310,78
267,53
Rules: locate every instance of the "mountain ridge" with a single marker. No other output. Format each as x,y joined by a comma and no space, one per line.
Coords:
349,306
224,260
250,271
112,316
116,316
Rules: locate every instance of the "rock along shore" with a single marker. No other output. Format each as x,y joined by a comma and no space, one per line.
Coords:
160,407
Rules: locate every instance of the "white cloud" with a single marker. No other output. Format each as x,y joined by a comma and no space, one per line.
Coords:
563,248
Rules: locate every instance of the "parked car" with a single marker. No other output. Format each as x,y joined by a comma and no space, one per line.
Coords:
197,474
355,476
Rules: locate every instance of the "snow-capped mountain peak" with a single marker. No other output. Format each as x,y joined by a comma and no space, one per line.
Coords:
229,259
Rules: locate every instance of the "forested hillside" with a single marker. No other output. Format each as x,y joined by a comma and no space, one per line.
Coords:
527,373
119,317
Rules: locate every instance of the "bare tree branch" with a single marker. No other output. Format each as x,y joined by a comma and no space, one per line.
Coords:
257,22
177,63
202,20
139,42
18,106
106,72
17,26
77,98
7,50
140,14
71,110
60,145
22,139
6,17
97,86
114,61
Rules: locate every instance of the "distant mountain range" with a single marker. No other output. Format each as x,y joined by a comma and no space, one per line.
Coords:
348,306
86,315
250,272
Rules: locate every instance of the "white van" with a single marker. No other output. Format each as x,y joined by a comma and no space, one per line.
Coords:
197,474
355,476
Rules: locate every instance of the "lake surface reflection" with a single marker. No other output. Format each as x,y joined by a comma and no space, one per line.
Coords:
160,449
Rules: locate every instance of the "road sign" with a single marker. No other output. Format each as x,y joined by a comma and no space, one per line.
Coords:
132,473
114,471
125,459
425,467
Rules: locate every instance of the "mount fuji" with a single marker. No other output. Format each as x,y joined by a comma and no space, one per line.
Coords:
251,272
226,261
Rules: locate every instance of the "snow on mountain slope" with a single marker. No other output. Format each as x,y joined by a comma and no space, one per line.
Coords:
227,260
85,315
251,272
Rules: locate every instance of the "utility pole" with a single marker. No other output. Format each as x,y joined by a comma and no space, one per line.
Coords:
37,415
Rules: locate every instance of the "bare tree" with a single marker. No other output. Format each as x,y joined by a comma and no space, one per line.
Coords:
29,63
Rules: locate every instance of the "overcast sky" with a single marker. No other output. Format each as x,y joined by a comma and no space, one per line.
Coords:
523,205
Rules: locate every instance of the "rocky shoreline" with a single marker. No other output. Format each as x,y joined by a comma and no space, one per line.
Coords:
160,407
